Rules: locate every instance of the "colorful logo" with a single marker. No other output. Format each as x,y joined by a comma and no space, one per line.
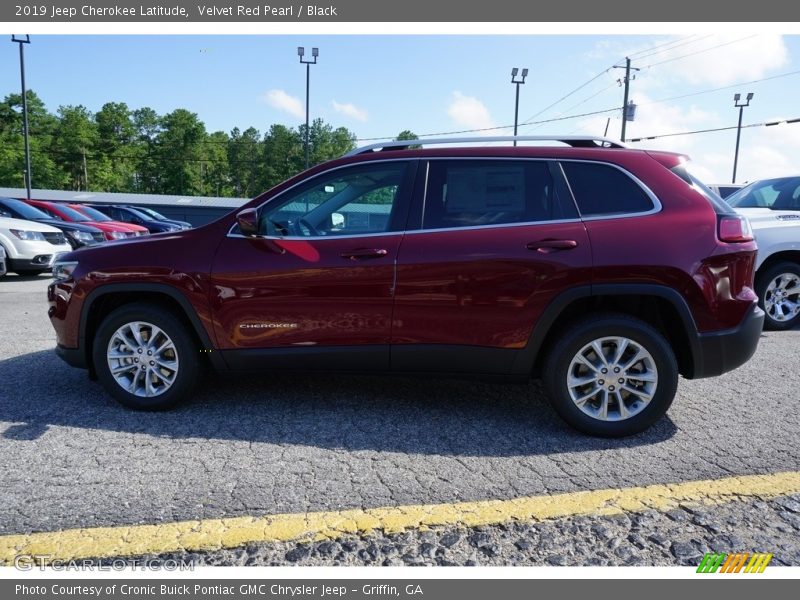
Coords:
714,562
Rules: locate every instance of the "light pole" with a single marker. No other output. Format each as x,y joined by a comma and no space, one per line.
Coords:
314,54
22,40
518,82
740,106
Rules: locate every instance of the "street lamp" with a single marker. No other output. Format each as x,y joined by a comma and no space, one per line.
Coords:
314,54
22,40
518,82
740,106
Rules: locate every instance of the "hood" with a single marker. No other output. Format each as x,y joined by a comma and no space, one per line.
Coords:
9,223
68,226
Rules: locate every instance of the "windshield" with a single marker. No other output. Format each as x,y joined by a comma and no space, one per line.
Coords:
25,211
95,214
782,193
71,213
136,212
152,213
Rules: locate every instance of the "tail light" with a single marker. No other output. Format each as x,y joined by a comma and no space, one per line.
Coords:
735,229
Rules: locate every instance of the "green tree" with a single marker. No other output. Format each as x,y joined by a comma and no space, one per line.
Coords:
75,141
216,170
118,149
283,155
246,162
42,124
407,134
327,143
147,126
179,148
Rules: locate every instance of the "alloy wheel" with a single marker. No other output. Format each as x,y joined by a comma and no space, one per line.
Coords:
612,378
142,359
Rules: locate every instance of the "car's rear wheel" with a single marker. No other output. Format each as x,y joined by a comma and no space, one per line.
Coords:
611,375
778,292
145,357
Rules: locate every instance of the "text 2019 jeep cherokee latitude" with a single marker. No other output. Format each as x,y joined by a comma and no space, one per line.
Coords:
605,271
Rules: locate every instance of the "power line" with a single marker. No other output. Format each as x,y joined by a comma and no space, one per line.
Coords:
725,87
685,42
495,128
764,124
564,97
709,49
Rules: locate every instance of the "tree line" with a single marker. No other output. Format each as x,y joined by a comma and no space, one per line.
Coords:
119,149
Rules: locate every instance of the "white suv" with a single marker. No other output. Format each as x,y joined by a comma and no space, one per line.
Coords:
773,209
31,248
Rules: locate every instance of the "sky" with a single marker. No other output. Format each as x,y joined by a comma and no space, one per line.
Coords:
377,86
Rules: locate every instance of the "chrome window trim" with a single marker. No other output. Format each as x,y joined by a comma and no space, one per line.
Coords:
299,183
657,206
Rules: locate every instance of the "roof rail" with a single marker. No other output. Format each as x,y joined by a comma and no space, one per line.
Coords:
576,141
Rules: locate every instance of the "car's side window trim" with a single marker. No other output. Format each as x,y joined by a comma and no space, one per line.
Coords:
403,200
415,220
420,206
657,206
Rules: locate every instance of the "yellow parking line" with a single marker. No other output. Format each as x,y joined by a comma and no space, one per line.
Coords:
209,534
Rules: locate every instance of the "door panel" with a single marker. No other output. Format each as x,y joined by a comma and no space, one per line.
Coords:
273,293
321,271
499,239
484,287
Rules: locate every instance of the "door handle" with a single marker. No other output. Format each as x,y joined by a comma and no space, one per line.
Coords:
364,253
548,246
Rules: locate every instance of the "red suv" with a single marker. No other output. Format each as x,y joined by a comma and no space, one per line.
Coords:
605,271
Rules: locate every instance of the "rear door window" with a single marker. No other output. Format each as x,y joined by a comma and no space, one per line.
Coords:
603,190
473,193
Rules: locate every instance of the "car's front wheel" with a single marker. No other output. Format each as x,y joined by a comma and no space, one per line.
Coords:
611,375
145,357
778,292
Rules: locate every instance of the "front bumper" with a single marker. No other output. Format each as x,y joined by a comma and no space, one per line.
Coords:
74,357
722,351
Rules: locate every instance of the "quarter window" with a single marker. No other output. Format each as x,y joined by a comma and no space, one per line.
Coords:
470,193
604,190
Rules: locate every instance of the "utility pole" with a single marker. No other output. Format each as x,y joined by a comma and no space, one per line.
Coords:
626,81
22,40
736,104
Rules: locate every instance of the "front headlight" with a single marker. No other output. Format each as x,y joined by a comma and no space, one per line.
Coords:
81,236
63,270
30,236
117,235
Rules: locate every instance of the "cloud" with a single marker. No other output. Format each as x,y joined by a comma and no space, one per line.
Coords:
729,58
282,101
350,110
469,112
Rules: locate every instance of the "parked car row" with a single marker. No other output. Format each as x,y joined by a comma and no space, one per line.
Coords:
34,232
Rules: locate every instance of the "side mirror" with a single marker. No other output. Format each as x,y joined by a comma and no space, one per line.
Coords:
248,222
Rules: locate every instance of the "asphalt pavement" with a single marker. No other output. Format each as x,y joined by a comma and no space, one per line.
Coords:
261,445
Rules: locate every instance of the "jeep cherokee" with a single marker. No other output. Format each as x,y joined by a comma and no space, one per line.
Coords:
603,270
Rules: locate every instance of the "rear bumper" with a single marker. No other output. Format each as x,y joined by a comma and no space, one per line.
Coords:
723,351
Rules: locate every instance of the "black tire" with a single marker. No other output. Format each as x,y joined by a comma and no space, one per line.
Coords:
29,272
762,283
185,348
583,332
